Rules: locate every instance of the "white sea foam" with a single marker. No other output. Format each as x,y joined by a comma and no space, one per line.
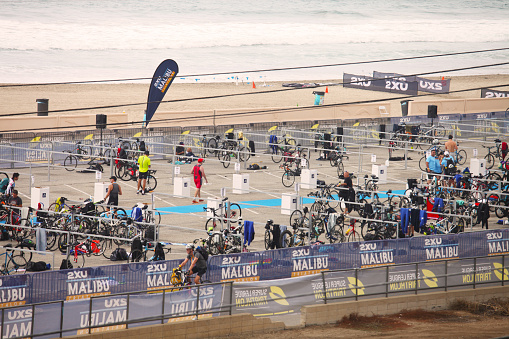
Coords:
68,39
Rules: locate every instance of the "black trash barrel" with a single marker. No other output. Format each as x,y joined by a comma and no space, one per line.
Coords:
42,107
404,107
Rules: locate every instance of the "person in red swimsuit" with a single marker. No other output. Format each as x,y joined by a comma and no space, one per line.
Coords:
198,174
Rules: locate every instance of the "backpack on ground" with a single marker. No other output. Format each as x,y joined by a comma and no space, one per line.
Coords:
136,250
66,264
450,166
254,167
119,254
38,266
142,146
203,253
159,252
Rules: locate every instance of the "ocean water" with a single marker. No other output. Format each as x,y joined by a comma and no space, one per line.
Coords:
76,40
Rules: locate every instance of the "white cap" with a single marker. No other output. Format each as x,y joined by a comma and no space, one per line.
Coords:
189,246
446,153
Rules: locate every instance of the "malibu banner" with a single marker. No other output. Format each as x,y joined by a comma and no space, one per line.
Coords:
161,81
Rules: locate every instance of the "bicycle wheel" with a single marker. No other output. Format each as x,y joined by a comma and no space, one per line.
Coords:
213,224
77,261
288,179
268,239
96,247
70,163
26,256
501,209
353,235
120,232
51,240
13,266
212,146
121,213
335,234
340,169
490,161
226,159
493,180
277,155
235,213
244,154
422,164
462,157
286,239
332,202
404,202
151,183
296,218
395,201
107,247
215,244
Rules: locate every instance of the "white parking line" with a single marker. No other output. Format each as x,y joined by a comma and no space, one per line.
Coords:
222,176
250,210
330,176
74,188
277,176
254,189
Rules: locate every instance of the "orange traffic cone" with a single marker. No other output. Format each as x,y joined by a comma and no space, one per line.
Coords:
254,86
326,89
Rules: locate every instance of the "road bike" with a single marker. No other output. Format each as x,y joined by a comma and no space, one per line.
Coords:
221,215
285,147
493,155
9,265
289,174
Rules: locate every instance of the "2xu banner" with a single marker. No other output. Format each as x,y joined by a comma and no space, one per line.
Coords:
493,93
423,85
395,83
161,81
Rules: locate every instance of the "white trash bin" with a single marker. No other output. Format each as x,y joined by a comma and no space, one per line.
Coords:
240,183
308,179
381,172
40,195
289,203
182,187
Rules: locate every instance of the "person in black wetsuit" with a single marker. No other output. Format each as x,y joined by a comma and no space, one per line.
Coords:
114,191
346,194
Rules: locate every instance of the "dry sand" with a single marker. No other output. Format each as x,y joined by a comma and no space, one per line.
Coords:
23,99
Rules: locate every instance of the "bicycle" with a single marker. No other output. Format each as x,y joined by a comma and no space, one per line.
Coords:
209,145
10,266
180,279
493,155
288,177
234,150
221,216
283,148
336,160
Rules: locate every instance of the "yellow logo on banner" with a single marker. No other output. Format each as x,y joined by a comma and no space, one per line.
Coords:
500,271
315,126
185,132
36,139
137,135
276,293
430,279
89,137
272,128
356,124
357,288
495,127
229,131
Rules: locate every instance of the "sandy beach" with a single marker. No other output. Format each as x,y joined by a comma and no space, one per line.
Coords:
61,97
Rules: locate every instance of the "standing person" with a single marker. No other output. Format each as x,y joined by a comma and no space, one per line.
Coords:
198,173
449,168
347,194
433,166
143,165
198,262
7,185
451,146
14,200
114,191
